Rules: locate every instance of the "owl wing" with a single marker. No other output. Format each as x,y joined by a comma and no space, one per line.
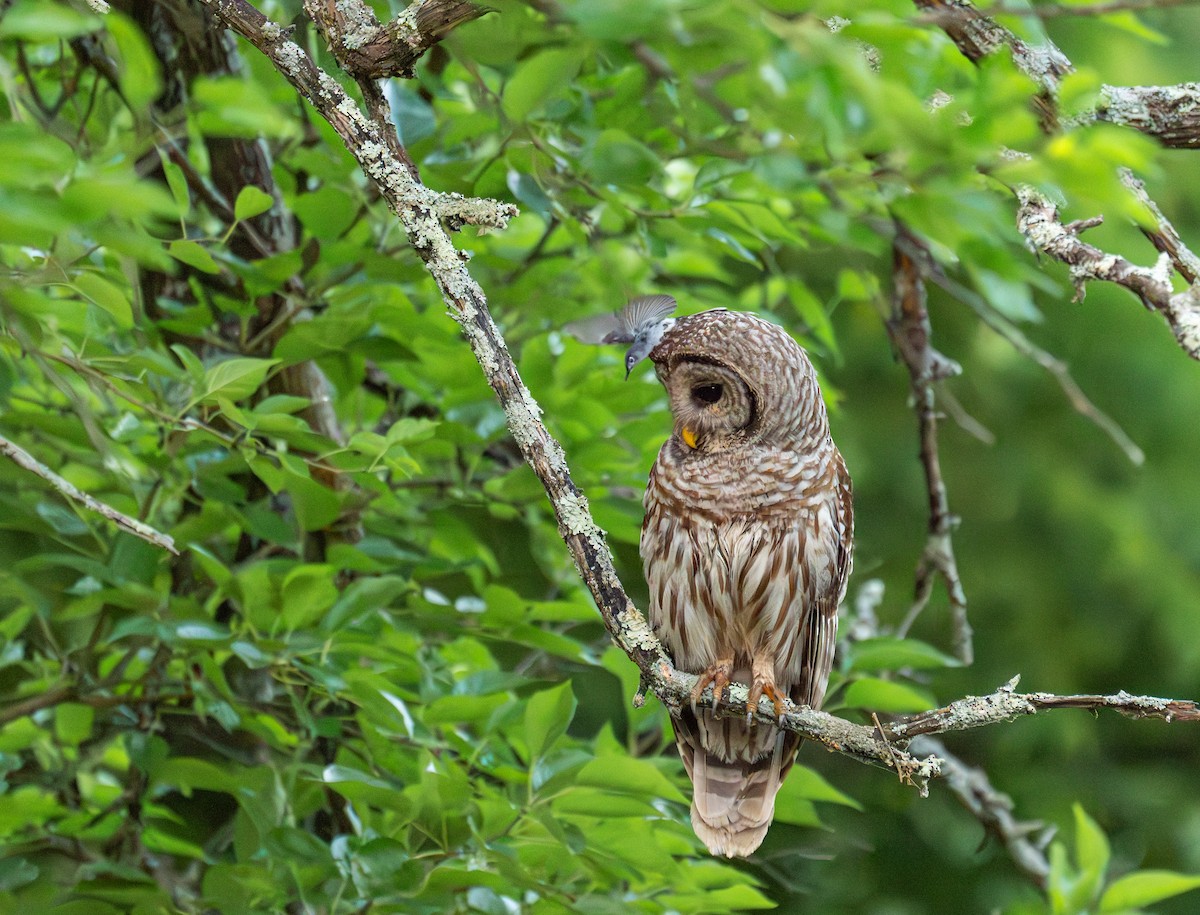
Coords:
829,555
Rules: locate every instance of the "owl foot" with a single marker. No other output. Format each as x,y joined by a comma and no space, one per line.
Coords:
718,675
764,687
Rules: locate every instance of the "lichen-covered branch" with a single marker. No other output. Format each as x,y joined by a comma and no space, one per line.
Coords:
23,458
409,199
1169,114
369,49
1006,704
1163,236
1038,220
910,332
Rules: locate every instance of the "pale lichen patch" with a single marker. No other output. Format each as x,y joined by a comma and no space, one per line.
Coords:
635,631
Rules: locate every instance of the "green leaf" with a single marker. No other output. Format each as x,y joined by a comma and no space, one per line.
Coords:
252,201
809,783
886,696
192,254
141,82
626,775
1143,888
73,722
897,654
592,802
16,873
316,506
196,631
537,79
1091,847
325,212
233,379
239,107
1061,882
177,182
547,715
107,296
308,591
34,21
616,158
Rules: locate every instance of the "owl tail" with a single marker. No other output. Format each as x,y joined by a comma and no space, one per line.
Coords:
736,770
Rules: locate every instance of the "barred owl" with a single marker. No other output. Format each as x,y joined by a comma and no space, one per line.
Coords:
747,547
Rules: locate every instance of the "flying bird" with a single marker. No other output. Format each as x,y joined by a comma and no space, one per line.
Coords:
641,324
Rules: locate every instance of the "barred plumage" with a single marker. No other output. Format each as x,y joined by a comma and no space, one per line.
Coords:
747,547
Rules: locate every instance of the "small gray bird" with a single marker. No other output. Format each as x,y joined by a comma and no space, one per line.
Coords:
641,324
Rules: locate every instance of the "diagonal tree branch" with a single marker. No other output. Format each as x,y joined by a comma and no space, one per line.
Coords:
1038,220
23,458
1024,840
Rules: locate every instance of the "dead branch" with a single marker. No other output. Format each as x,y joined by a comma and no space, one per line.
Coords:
1024,840
910,332
1005,704
1163,236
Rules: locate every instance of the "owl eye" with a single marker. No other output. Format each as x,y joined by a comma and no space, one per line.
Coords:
708,393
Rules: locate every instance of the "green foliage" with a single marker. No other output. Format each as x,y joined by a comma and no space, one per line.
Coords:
1084,887
372,678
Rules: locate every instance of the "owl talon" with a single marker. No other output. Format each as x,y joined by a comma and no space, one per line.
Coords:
766,688
718,676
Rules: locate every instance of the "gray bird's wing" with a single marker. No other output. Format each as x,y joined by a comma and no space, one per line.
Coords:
622,326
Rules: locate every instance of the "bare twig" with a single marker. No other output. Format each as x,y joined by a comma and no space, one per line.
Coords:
910,332
139,529
1024,840
1163,236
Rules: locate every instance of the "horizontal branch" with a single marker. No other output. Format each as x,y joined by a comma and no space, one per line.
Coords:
1169,114
23,458
1007,705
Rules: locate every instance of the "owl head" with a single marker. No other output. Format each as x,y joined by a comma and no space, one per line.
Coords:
736,380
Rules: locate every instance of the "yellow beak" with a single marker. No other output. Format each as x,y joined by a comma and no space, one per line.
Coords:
688,436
